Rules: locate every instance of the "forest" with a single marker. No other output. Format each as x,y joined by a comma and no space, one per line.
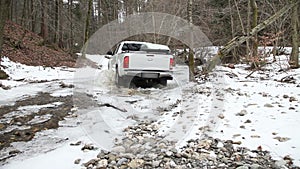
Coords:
67,24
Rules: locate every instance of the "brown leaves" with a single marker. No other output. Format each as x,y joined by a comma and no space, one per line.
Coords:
26,47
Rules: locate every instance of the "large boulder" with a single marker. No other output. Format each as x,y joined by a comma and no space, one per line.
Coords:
3,75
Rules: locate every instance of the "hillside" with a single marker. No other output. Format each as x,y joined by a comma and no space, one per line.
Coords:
23,46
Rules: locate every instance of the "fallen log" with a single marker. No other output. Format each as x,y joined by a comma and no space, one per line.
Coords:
237,41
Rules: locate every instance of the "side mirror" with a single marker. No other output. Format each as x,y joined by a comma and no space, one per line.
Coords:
109,53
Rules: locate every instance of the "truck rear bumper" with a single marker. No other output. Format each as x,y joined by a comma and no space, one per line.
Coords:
149,74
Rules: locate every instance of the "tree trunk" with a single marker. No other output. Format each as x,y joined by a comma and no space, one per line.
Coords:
33,15
24,14
44,23
57,21
60,27
87,27
254,43
248,50
191,53
87,21
4,15
294,58
99,13
239,40
71,38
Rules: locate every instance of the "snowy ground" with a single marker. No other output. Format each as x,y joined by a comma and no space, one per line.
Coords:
257,111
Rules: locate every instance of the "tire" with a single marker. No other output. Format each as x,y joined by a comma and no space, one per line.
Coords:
118,80
163,82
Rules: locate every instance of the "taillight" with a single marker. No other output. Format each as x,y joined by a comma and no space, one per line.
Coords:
171,63
126,62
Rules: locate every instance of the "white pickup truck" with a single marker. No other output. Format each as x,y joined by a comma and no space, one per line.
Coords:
141,63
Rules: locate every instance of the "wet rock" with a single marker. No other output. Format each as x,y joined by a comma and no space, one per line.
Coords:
285,96
292,108
13,152
231,66
119,149
221,116
88,147
242,113
248,121
155,163
292,99
77,161
127,155
268,105
280,163
64,85
255,166
92,162
169,153
3,75
255,136
156,152
102,164
122,161
75,144
152,156
243,167
282,139
135,163
2,126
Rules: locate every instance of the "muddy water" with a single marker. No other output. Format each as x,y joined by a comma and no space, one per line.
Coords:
20,122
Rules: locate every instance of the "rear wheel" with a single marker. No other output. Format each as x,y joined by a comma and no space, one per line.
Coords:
163,82
118,80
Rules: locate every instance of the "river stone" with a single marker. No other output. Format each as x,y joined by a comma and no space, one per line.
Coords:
268,105
119,149
102,163
169,153
152,156
122,161
135,163
243,167
155,164
77,161
242,113
255,166
127,155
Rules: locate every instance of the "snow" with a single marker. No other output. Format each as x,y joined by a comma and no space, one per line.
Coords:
270,114
187,107
23,80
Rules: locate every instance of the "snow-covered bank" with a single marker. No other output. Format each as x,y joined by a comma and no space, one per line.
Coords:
262,113
27,81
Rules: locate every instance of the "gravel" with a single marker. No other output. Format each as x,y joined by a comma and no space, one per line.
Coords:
142,147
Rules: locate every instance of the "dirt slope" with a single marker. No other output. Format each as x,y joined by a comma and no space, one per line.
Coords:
22,45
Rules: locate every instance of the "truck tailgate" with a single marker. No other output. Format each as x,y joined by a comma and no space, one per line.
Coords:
141,61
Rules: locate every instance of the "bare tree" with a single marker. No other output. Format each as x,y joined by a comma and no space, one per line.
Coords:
4,13
254,41
294,60
58,22
237,41
44,23
191,53
88,20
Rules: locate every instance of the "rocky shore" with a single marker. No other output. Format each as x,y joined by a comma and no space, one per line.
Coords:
141,147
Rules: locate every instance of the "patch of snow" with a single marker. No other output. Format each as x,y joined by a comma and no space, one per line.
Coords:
40,119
